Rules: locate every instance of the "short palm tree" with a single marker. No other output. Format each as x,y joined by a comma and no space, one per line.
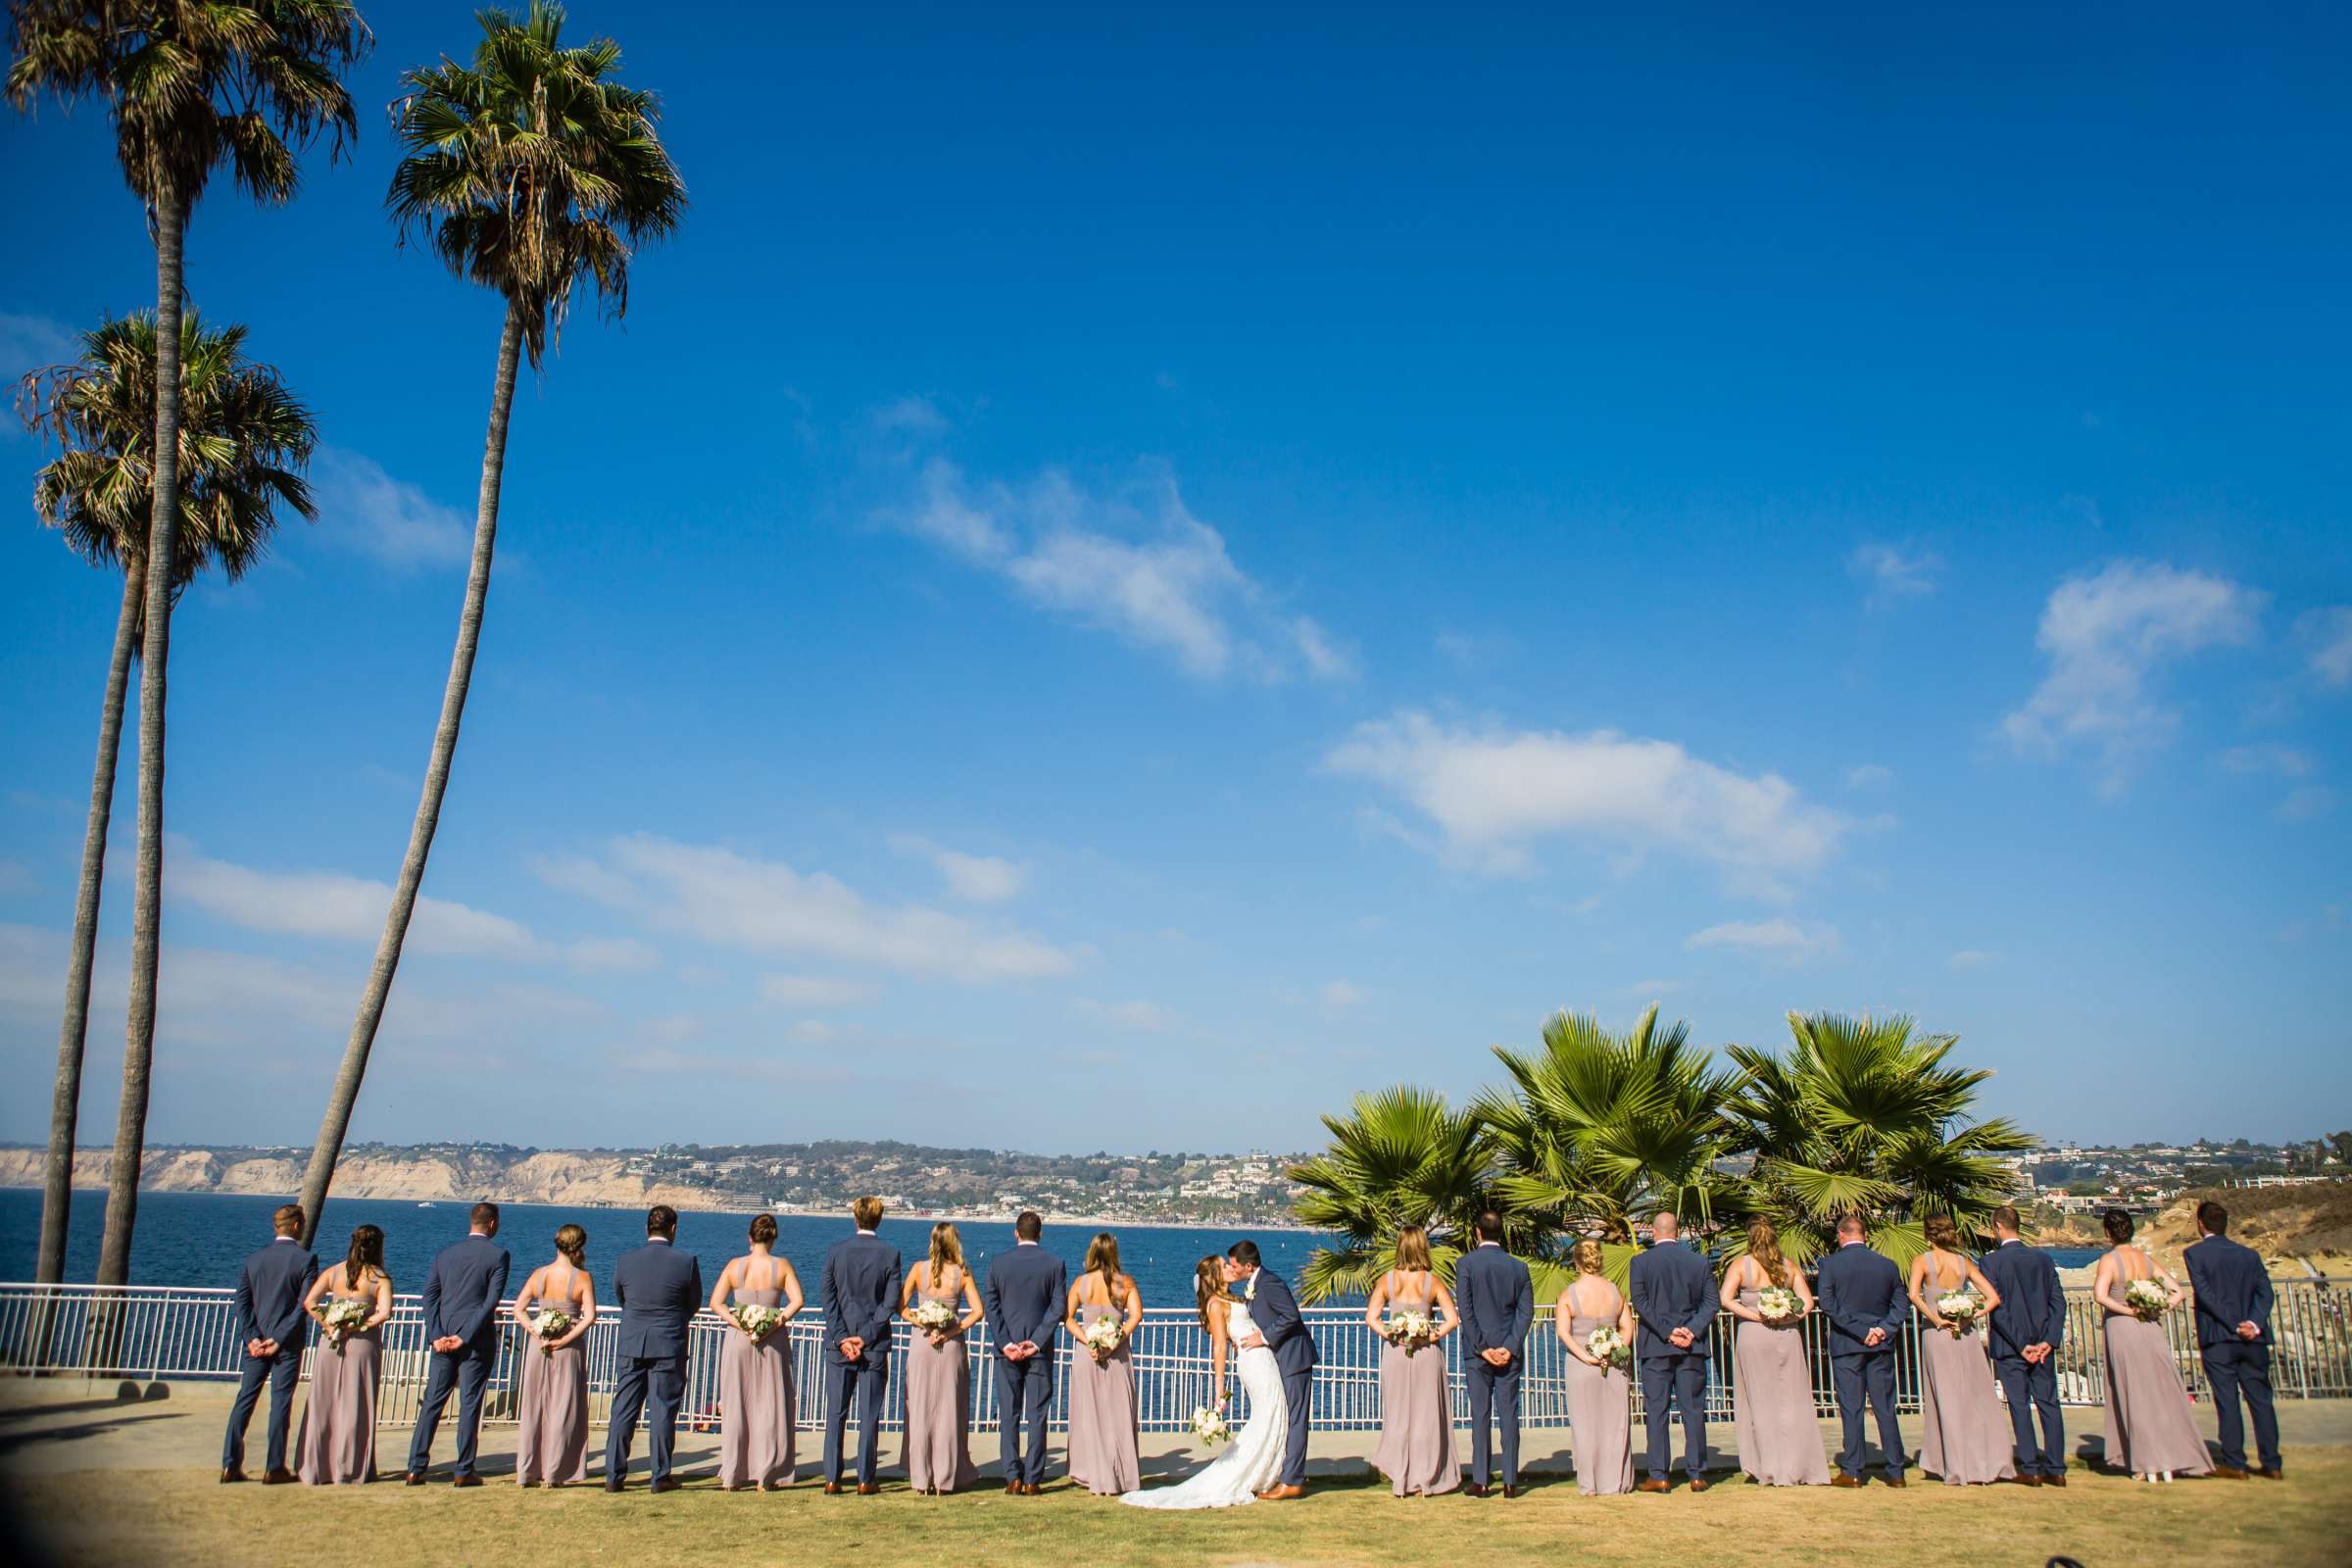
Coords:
531,171
244,440
1399,1156
1596,1128
192,85
1861,1115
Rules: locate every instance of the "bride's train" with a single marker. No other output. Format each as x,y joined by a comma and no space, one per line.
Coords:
1252,1462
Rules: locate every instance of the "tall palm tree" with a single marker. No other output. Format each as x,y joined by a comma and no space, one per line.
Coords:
1861,1115
531,171
243,441
192,85
1399,1156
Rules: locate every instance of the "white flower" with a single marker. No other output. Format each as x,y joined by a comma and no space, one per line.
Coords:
1211,1426
342,1320
934,1317
550,1325
2146,1298
1411,1331
1778,1305
1960,1308
754,1319
1102,1335
1608,1347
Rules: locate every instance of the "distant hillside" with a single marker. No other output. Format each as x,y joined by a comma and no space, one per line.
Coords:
2283,1223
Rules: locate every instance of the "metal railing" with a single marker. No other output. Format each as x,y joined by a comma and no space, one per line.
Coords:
171,1332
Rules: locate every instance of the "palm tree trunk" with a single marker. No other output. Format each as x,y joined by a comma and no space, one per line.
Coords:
320,1174
147,895
64,1104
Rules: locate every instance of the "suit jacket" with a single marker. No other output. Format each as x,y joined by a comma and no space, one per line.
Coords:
1860,1290
1496,1299
462,1291
1673,1288
660,1288
2232,1287
269,1292
861,1296
1026,1294
2032,1309
1275,1311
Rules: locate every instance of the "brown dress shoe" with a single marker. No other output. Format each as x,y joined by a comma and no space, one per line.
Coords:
466,1481
1896,1481
1510,1489
665,1484
2228,1472
1841,1478
832,1489
279,1477
2029,1479
1030,1488
867,1489
1012,1489
1651,1483
1473,1489
1699,1483
414,1478
2053,1481
2271,1472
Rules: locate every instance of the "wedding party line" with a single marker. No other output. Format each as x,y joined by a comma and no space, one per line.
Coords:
933,1349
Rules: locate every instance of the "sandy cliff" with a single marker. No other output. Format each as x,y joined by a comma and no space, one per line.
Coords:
586,1181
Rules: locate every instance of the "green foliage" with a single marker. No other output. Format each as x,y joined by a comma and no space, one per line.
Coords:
1399,1156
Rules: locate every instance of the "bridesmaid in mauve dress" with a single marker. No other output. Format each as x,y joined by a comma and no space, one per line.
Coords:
939,1370
1600,1395
1772,1392
1103,1436
1416,1402
550,1414
2151,1431
1966,1438
337,1441
755,1376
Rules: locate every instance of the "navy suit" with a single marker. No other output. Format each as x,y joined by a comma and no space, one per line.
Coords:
269,1292
1673,1288
2232,1286
1027,1292
861,1296
660,1288
1275,1311
460,1297
1859,1290
1497,1303
2033,1311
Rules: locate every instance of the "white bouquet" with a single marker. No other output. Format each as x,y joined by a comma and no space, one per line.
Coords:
1608,1347
342,1320
1411,1331
2147,1300
1960,1308
755,1320
933,1317
550,1325
1102,1336
1779,1306
1211,1426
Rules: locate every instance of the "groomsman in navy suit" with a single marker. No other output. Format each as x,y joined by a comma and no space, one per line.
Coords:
461,1325
2234,1331
2024,1336
660,1288
271,1325
1674,1303
1275,1311
1028,1290
1861,1295
861,1296
1496,1302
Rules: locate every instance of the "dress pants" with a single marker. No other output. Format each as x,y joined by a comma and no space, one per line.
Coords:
2032,1390
1298,1400
2242,1368
1867,1374
281,1371
657,1380
1685,1377
869,1382
1024,1393
468,1369
1493,1402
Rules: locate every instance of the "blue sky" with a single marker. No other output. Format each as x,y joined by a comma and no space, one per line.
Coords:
1131,574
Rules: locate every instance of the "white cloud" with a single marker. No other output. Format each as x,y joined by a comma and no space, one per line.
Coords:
1135,562
365,509
2284,761
1890,572
1970,958
810,1032
338,908
767,906
612,956
1869,776
2304,802
973,878
29,343
911,416
1783,941
2327,633
818,991
2107,637
1137,1017
1340,994
1491,790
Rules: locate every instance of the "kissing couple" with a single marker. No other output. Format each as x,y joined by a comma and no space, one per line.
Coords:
1250,1310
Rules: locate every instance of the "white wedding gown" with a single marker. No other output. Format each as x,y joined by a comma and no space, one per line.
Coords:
1252,1462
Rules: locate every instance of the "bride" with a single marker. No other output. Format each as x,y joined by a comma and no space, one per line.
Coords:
1253,1462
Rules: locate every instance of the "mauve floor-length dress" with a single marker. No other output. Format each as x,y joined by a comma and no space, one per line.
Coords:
1104,1440
2150,1423
1965,1437
1416,1410
336,1446
755,1400
939,1403
1601,1412
1772,1405
551,1413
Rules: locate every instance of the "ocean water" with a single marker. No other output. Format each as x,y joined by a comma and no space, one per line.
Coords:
200,1237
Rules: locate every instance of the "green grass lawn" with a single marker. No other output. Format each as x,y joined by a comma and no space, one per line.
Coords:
182,1517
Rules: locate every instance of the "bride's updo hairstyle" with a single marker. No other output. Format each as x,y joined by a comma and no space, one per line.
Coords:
1413,1248
763,1230
1208,1284
572,1243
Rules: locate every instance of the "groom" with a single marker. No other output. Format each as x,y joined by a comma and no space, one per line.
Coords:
1275,1312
